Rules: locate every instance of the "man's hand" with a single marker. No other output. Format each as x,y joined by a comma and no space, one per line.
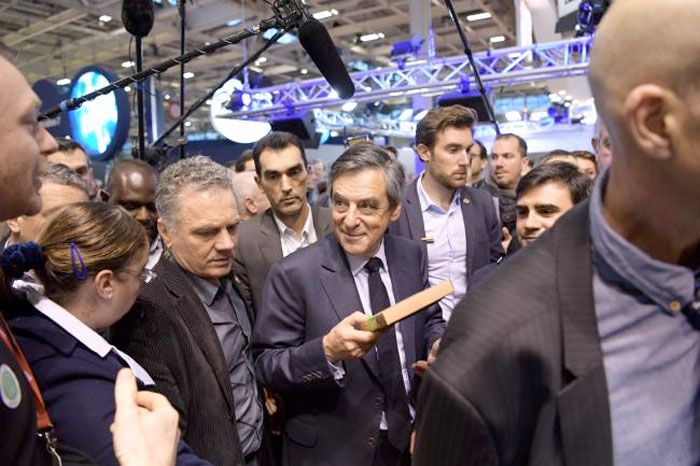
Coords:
145,429
419,367
345,343
507,238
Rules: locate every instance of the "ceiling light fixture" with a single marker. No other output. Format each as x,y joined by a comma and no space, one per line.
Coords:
496,39
63,82
105,19
371,37
188,75
479,16
325,14
128,64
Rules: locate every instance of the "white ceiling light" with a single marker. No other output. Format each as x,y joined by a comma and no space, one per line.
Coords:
419,116
188,75
241,131
208,102
478,16
304,71
63,82
167,96
128,64
496,39
406,114
371,37
127,89
513,115
349,106
325,14
188,123
105,18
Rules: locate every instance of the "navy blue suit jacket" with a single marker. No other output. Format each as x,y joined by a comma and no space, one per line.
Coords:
481,225
78,387
306,295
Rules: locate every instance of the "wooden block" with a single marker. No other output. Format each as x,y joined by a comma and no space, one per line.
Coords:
407,307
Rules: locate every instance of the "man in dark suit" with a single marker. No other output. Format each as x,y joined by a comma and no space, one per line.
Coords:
190,328
457,224
349,393
289,224
583,348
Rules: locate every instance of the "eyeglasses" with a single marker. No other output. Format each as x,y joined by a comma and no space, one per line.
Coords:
146,276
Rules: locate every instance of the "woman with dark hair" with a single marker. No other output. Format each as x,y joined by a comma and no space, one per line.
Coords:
90,259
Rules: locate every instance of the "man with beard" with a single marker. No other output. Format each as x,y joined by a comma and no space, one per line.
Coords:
457,224
132,185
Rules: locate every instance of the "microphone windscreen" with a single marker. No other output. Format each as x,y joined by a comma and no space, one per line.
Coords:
137,16
319,45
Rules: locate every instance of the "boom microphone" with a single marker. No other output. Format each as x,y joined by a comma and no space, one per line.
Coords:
137,16
319,45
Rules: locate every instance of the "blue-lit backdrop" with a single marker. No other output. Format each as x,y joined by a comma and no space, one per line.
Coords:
101,126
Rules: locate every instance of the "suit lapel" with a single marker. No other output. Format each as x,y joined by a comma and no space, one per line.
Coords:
414,216
469,213
270,245
398,271
190,309
339,285
583,405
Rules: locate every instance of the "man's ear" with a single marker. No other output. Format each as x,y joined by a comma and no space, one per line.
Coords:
250,206
423,152
164,233
104,284
648,114
396,213
525,162
13,225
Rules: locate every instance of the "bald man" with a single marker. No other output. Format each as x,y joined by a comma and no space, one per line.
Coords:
132,185
583,349
250,197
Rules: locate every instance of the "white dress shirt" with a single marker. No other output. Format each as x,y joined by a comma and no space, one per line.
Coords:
290,240
361,277
154,253
84,334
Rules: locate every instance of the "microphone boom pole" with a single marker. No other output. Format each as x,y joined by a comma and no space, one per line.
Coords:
470,57
234,38
213,90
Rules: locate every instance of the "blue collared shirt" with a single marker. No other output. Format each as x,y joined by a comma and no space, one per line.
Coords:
651,353
447,252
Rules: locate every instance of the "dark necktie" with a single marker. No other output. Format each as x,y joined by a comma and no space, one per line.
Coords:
395,400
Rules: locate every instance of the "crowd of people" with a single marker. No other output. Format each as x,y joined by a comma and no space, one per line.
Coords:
214,315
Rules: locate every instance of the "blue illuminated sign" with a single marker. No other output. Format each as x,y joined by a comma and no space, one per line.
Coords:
101,126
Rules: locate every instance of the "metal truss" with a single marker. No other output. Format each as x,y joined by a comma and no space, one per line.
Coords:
497,68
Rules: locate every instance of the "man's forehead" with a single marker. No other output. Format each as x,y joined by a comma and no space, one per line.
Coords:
455,135
72,158
280,159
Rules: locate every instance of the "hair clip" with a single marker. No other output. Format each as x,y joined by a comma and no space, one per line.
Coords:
75,252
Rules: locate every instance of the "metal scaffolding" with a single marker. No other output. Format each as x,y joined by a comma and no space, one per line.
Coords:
497,67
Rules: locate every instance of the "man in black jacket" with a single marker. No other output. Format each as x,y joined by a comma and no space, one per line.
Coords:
190,327
582,349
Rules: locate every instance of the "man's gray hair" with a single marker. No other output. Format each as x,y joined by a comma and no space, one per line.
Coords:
60,174
198,173
364,156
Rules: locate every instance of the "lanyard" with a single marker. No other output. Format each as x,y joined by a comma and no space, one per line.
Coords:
43,421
